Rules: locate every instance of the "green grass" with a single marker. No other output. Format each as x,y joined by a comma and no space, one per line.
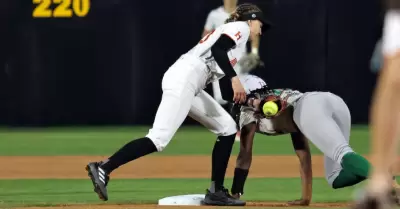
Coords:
105,140
51,192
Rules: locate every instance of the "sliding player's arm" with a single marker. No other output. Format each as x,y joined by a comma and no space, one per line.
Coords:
300,144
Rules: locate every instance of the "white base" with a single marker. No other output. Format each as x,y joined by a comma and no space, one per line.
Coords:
190,199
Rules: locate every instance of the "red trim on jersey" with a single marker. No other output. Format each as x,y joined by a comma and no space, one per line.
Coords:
233,62
206,36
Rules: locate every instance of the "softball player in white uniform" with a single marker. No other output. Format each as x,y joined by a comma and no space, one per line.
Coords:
247,62
183,95
321,117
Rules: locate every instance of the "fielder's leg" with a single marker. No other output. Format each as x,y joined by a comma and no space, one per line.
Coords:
385,115
325,120
208,112
179,89
385,109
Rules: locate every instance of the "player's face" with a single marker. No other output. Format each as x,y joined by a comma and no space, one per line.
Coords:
255,27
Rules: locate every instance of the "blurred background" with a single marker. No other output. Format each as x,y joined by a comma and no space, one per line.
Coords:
106,68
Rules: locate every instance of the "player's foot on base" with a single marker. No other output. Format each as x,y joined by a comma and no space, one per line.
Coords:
99,179
371,200
221,198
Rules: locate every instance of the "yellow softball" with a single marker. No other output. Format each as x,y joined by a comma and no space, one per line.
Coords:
270,108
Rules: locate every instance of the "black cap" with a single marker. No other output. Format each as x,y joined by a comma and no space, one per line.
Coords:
257,16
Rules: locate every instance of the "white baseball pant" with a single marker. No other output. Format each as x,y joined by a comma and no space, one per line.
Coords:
183,94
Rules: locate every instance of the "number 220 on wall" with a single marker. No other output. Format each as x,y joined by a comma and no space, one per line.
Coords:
64,8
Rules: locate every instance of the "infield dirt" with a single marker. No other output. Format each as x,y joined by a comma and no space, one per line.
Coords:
54,167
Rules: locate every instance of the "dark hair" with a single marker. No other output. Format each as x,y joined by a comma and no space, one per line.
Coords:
393,4
242,9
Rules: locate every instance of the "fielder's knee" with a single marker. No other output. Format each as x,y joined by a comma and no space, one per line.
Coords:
160,139
229,127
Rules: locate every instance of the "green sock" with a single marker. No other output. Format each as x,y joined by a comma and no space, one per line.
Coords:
356,164
345,179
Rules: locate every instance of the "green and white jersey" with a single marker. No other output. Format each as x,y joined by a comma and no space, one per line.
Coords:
274,126
290,96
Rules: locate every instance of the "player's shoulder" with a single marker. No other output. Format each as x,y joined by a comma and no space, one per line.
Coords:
238,25
239,31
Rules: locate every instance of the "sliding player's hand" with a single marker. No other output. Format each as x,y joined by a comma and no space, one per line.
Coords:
300,202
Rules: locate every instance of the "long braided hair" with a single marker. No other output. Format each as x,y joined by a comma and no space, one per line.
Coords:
242,9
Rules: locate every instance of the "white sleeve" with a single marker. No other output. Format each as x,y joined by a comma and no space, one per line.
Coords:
251,82
239,32
209,22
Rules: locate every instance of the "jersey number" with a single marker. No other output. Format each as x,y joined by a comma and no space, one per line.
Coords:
206,36
79,7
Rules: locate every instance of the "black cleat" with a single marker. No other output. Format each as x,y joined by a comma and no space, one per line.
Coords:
99,179
221,198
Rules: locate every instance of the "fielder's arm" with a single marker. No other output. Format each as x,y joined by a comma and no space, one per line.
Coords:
243,161
300,144
205,32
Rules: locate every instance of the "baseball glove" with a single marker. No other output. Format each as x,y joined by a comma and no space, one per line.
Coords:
249,62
